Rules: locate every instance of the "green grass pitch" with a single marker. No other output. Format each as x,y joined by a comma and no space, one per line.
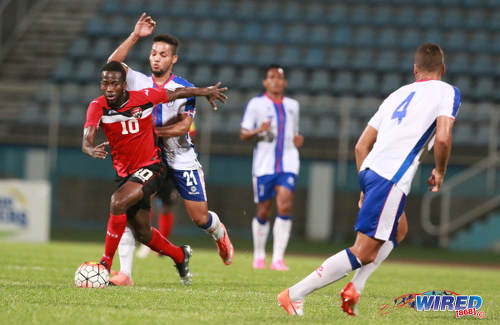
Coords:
36,287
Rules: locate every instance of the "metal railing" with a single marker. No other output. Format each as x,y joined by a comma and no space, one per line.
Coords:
447,224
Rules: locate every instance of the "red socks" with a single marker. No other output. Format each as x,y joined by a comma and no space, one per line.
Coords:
161,245
165,222
116,227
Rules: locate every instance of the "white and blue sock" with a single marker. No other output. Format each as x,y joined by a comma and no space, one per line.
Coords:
334,268
260,231
361,276
126,249
214,227
281,233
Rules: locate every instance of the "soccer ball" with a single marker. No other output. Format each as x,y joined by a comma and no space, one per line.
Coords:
92,275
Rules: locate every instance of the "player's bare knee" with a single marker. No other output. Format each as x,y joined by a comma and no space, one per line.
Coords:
118,203
143,235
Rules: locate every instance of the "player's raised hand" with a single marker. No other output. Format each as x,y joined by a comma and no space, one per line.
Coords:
144,26
435,180
99,151
214,93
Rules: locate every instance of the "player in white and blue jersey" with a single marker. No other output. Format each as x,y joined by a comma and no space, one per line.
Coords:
273,120
408,123
172,122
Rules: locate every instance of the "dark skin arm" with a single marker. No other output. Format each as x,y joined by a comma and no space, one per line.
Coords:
99,151
178,128
212,93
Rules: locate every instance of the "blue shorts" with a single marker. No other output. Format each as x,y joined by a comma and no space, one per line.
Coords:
264,186
190,184
382,206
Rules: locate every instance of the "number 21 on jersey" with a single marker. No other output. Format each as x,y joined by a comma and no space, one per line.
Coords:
400,111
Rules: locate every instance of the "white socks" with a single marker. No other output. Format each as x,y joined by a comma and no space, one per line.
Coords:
214,226
362,274
281,234
334,268
126,249
259,234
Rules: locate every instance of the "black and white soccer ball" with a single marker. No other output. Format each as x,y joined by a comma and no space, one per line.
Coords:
91,275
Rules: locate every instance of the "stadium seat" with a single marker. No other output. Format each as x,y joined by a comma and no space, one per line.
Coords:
342,36
179,8
343,83
297,80
306,125
455,41
73,115
458,63
337,14
230,31
479,42
219,53
96,27
102,49
364,37
390,82
111,7
249,78
362,59
266,54
406,16
327,128
320,80
338,59
86,72
296,33
158,7
464,84
63,70
292,12
386,61
274,32
252,32
433,35
291,56
196,51
429,17
226,74
186,29
243,54
315,57
70,93
452,18
119,26
246,9
462,133
269,10
361,15
202,75
318,34
367,84
80,48
207,29
475,19
410,38
383,15
482,65
314,11
387,38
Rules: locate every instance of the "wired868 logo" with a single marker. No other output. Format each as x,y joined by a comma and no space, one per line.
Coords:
438,300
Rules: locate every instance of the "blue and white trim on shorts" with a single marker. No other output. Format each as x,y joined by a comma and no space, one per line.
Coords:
190,184
383,204
264,186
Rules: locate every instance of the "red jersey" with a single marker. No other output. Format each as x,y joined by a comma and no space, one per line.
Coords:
129,129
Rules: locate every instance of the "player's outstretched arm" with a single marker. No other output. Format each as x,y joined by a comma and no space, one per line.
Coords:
180,127
143,28
442,149
88,147
212,93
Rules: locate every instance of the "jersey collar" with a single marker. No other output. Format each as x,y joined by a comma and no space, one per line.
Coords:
163,85
274,101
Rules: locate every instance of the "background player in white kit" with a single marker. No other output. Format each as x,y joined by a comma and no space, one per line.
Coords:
387,156
172,122
274,120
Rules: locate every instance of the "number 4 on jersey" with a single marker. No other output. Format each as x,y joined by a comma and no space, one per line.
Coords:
400,111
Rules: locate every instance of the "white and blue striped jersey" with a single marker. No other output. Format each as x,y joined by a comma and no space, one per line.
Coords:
279,154
178,152
406,123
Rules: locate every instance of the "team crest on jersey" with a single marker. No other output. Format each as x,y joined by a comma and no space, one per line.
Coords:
136,112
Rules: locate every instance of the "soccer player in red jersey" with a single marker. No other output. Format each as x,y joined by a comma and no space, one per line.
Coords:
126,120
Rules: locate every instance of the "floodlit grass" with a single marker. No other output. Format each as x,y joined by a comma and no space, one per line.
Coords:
36,287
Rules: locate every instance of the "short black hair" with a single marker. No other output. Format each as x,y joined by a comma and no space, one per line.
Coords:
115,66
273,66
429,57
169,39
